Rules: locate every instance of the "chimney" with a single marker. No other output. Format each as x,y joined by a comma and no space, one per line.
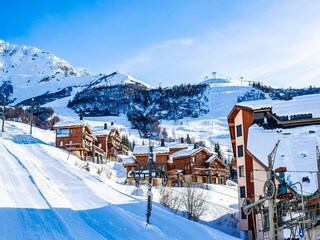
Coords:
162,142
81,117
111,123
196,145
105,125
182,140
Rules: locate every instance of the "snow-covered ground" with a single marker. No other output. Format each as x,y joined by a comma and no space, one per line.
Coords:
46,195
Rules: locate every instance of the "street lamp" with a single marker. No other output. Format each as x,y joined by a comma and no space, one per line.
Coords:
149,193
303,218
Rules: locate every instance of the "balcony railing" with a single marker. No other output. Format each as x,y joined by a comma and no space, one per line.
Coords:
85,147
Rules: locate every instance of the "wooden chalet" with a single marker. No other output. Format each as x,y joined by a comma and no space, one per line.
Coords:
141,154
214,170
198,165
109,139
77,137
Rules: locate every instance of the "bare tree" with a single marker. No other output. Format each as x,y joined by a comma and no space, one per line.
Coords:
193,200
170,199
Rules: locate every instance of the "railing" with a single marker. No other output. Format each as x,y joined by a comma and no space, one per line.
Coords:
98,150
88,137
84,146
77,146
205,171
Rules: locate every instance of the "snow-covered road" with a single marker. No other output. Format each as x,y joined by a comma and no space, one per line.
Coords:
44,196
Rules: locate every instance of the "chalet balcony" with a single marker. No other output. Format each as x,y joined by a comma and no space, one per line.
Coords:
205,171
78,147
88,137
98,150
84,147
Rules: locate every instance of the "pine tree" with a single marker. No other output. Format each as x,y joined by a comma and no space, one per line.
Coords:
218,150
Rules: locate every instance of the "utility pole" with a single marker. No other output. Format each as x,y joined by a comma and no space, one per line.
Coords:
149,203
273,223
3,110
32,100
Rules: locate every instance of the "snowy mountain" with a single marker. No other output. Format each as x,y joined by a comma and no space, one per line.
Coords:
45,194
27,72
118,78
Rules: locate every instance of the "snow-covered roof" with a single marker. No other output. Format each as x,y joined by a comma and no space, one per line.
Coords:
297,105
176,145
126,159
144,149
211,158
186,152
296,151
102,131
70,123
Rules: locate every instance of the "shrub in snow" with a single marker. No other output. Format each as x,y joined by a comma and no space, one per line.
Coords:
170,199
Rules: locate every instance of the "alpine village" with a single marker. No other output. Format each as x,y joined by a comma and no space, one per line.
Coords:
227,158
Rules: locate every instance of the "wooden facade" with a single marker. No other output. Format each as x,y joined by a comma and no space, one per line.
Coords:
110,142
199,166
79,139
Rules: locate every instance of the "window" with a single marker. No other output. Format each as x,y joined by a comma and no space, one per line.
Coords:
193,159
242,192
241,171
239,130
70,142
243,215
61,143
63,132
240,151
100,145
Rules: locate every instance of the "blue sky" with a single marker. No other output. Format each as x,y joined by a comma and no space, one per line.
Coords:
169,42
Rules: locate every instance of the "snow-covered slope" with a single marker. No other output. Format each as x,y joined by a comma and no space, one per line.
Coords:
32,72
45,196
118,78
25,60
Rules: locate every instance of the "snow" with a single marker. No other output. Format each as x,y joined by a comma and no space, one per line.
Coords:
46,195
298,105
211,158
144,149
185,152
296,152
126,159
117,78
70,123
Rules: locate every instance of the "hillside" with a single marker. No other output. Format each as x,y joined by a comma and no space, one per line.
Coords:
45,195
27,72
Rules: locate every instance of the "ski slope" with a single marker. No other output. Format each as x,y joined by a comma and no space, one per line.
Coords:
45,196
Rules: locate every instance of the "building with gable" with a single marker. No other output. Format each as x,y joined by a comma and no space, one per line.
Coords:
90,145
255,128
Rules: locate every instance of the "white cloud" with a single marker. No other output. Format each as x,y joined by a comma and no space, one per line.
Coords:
278,46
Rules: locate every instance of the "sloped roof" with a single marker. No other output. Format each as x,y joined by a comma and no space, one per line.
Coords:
298,105
296,151
212,158
186,152
144,149
126,159
176,145
70,123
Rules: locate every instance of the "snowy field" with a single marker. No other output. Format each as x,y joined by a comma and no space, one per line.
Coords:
46,195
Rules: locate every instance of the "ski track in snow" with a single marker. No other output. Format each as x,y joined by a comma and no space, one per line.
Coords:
43,196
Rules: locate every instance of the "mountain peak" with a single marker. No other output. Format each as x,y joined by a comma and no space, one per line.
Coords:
26,60
116,78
